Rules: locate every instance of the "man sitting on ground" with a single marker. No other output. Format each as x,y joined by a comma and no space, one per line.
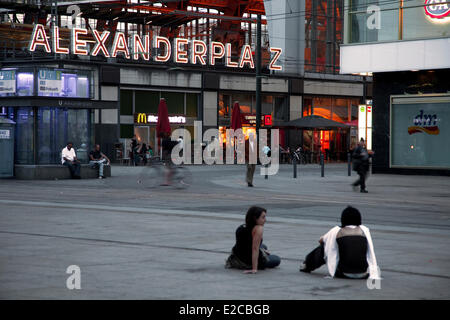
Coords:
98,158
69,159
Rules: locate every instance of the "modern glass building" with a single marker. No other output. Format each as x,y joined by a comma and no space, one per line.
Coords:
405,45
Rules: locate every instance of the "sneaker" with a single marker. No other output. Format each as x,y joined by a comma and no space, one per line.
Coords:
364,191
101,177
249,184
303,268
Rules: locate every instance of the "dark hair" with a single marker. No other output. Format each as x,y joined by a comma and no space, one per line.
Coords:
252,215
70,142
350,217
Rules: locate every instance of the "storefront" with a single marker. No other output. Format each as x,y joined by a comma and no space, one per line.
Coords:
334,144
50,107
274,107
405,45
142,106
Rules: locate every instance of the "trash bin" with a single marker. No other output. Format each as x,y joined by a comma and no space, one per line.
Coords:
6,148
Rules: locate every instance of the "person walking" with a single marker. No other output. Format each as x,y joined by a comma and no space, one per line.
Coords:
347,250
134,153
250,148
360,160
249,252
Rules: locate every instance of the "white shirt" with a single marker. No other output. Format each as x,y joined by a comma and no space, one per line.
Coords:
332,252
68,154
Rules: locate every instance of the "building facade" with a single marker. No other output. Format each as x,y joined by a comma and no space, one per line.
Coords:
405,45
99,80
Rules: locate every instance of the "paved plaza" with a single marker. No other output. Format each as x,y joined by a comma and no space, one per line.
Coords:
164,243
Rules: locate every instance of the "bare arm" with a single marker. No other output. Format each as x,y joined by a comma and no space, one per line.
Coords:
257,236
107,159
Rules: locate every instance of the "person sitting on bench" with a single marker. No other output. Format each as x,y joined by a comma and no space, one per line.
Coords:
69,159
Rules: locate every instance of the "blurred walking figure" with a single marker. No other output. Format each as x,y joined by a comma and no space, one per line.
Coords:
133,153
346,250
250,148
249,251
167,145
361,165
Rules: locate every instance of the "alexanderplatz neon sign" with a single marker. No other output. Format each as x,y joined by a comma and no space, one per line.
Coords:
183,50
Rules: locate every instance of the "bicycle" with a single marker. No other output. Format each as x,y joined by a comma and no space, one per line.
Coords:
299,156
154,174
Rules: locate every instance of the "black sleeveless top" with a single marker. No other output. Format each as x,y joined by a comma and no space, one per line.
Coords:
352,254
243,247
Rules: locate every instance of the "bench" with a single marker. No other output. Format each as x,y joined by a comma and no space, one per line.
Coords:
55,171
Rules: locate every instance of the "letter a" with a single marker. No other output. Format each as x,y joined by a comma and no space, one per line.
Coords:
73,281
374,20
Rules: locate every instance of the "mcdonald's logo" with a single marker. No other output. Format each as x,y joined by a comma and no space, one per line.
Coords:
141,118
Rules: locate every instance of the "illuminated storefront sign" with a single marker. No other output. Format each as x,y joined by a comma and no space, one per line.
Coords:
437,9
7,81
251,119
427,123
50,81
365,124
146,118
268,120
181,50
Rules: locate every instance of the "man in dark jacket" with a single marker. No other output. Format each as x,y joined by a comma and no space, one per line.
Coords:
361,165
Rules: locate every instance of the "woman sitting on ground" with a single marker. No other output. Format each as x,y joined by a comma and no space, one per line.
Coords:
249,252
347,250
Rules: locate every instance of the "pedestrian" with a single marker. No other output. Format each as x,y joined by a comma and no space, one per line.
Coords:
250,148
361,165
142,152
69,159
249,251
346,250
167,145
134,154
98,158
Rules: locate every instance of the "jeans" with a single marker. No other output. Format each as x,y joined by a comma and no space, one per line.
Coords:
74,168
100,163
362,179
250,172
315,259
273,260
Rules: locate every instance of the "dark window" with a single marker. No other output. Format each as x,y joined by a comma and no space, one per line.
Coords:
126,131
146,101
126,102
174,101
191,104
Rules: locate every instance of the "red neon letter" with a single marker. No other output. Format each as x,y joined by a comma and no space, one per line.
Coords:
56,47
246,57
230,63
180,54
213,55
39,38
76,43
139,49
198,54
100,43
157,41
277,55
120,45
